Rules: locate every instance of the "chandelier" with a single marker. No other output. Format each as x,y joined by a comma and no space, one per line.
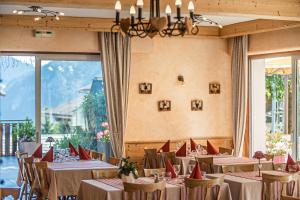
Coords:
40,13
157,25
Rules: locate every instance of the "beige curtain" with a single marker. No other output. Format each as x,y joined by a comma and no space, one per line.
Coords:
239,75
116,55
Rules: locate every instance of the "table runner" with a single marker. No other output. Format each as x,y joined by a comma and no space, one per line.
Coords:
78,165
248,175
118,183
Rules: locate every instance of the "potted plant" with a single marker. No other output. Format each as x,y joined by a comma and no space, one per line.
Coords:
103,141
26,135
279,145
127,170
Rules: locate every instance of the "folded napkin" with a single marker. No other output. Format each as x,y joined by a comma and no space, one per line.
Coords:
196,173
49,156
290,161
38,153
83,155
182,151
165,147
73,151
193,145
211,149
169,168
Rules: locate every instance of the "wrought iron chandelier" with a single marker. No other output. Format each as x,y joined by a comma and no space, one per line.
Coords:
40,13
157,25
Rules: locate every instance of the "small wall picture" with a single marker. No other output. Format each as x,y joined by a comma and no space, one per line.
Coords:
197,105
145,88
164,105
214,88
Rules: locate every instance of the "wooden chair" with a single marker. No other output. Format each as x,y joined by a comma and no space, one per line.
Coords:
42,180
284,179
206,184
6,192
151,160
238,168
114,161
24,186
206,164
223,150
29,171
104,173
283,197
168,156
96,155
149,189
151,172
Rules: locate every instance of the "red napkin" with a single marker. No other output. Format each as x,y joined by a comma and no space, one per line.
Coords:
196,173
290,161
193,145
38,153
169,168
182,151
211,150
49,156
83,154
73,151
166,147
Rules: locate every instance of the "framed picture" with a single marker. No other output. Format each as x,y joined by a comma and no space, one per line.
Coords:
196,105
145,88
214,88
164,105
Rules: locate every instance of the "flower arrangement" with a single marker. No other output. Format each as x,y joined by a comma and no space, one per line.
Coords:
278,144
103,136
127,168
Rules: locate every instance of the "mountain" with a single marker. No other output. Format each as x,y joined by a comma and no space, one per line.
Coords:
61,82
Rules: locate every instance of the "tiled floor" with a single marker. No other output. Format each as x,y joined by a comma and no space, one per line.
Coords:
9,171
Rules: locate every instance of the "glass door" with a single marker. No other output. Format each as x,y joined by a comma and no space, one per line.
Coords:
296,63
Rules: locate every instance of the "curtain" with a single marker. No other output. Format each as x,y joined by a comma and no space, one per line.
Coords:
239,75
116,56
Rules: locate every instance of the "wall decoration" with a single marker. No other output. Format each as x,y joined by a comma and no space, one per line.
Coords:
145,88
214,88
196,105
164,105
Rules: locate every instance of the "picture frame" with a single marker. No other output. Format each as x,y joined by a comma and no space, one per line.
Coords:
214,88
196,105
164,105
145,88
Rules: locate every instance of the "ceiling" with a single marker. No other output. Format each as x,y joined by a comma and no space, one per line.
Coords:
110,13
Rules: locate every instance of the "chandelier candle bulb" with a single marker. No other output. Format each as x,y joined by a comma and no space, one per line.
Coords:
132,13
191,8
178,4
140,3
118,9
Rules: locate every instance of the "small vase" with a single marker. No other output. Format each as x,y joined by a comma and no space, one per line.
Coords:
128,179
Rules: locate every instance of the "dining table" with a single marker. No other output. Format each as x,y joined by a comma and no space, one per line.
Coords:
65,177
112,189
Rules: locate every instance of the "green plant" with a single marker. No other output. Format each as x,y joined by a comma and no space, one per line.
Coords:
277,144
127,167
26,130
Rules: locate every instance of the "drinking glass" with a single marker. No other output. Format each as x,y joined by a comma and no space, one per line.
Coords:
190,168
203,174
176,169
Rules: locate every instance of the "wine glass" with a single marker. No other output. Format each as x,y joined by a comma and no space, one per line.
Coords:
176,169
190,168
168,176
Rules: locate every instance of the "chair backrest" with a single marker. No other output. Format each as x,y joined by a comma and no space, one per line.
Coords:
96,155
275,165
284,197
151,172
171,156
41,175
114,161
206,164
238,168
151,159
206,185
20,159
29,171
283,179
149,189
6,192
223,150
104,173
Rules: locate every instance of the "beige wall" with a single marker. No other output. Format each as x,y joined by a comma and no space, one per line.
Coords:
160,61
274,42
22,39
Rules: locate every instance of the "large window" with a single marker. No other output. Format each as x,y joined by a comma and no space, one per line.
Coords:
58,96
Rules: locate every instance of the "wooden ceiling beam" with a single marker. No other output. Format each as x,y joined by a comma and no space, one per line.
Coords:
264,9
256,26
